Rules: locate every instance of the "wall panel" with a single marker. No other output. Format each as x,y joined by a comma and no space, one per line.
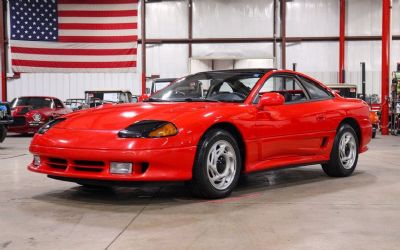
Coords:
233,18
319,59
363,17
312,18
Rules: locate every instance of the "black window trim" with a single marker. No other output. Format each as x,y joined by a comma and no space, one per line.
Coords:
280,74
331,96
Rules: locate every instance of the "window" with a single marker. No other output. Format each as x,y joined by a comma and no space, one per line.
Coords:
288,86
58,104
315,90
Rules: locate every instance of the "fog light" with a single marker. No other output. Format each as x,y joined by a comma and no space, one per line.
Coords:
36,161
120,168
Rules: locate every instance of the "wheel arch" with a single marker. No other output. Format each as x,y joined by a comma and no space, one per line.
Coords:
354,124
235,132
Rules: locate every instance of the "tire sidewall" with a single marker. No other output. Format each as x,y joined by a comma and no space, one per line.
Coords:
200,174
335,152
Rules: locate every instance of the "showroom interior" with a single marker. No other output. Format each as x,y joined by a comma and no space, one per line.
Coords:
150,124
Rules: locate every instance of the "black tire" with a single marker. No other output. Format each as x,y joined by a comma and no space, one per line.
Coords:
373,134
3,132
200,184
335,167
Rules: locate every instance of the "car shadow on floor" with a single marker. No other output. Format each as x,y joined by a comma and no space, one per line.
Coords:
275,186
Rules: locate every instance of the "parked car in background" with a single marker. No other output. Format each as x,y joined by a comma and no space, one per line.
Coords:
94,98
75,103
31,112
350,91
207,129
5,119
159,84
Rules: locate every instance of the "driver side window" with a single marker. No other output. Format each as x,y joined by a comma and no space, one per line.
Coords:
288,86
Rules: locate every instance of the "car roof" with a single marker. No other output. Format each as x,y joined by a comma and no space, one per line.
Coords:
165,79
250,70
32,96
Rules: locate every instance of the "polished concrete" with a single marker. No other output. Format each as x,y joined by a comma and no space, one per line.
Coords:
287,209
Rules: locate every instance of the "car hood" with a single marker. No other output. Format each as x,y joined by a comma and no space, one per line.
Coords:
117,117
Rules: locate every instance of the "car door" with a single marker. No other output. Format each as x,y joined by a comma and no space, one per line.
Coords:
288,130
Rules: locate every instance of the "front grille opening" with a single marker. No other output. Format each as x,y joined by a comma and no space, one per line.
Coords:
94,170
60,167
89,163
58,160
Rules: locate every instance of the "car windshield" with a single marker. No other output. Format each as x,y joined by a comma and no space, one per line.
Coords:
217,86
33,102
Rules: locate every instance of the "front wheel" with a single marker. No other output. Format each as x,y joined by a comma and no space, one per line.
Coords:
3,132
217,166
344,155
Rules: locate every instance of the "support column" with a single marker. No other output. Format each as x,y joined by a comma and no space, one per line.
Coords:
143,34
283,34
3,51
385,81
342,38
190,26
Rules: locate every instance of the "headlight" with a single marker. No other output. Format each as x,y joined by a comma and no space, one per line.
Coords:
50,124
149,129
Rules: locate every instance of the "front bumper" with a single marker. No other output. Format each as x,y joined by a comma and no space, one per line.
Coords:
156,165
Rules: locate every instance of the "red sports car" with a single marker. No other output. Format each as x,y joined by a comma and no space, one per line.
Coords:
31,112
207,129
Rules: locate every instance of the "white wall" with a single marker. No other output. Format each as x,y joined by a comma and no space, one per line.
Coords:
237,18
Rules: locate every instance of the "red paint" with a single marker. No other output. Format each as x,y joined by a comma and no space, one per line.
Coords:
46,114
97,39
342,39
96,1
78,52
29,63
108,13
3,54
270,99
97,26
276,136
386,38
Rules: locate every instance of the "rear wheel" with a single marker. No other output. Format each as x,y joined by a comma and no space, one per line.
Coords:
217,166
3,132
344,155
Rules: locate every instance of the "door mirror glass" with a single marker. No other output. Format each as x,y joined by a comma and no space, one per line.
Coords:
270,99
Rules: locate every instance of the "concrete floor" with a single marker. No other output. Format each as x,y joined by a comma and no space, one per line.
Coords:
288,209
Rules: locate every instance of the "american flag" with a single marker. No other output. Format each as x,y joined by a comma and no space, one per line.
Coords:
73,35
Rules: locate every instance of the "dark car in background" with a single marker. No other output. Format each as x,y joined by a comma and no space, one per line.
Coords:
5,119
31,112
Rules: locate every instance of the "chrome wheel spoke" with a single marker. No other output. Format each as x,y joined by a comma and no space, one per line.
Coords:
347,150
221,165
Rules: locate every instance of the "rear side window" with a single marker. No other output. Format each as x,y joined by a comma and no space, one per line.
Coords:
315,90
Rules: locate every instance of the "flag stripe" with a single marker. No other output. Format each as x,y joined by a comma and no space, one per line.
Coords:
96,1
100,39
88,52
88,13
97,26
75,58
72,46
97,33
98,7
26,69
131,19
52,64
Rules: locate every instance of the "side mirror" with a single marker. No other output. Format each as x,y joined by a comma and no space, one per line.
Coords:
270,99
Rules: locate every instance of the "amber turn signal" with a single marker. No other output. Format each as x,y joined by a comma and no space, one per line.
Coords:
167,129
